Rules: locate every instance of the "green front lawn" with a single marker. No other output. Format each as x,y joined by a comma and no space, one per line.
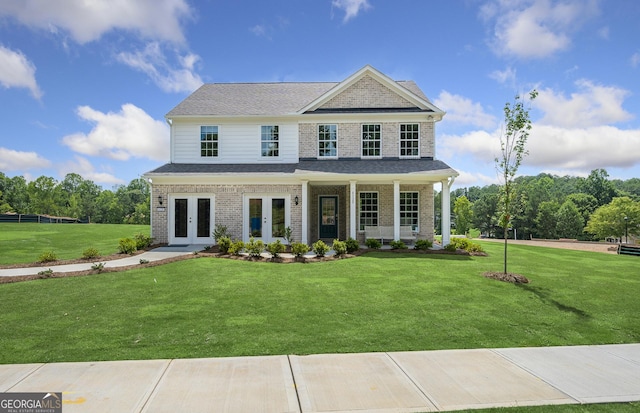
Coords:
23,243
209,307
566,408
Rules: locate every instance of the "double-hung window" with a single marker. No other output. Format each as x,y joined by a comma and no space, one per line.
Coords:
269,141
368,209
371,141
327,141
410,140
208,141
409,210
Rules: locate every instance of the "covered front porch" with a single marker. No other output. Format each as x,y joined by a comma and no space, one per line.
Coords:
340,210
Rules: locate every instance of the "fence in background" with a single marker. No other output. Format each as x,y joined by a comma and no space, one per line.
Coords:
42,219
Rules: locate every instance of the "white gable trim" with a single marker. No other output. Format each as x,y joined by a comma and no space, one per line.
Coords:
383,79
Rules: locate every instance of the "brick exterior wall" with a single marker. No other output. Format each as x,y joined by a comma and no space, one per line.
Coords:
367,93
350,138
228,204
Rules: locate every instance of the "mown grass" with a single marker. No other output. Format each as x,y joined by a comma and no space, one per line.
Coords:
566,408
211,307
24,243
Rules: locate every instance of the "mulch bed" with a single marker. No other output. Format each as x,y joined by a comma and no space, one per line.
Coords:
507,277
210,253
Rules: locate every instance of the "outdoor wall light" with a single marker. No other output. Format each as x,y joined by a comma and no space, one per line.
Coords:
296,200
160,199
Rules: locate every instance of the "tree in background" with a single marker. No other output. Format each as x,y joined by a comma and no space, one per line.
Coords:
570,223
485,212
614,219
598,185
512,151
546,221
463,212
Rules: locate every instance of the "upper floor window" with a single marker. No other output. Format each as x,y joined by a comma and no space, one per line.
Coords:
327,141
208,141
409,140
269,141
371,138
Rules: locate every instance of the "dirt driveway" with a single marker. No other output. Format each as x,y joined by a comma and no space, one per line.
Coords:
605,247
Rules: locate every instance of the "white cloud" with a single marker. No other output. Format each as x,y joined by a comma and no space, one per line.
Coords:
578,150
467,179
11,160
123,135
635,59
535,28
504,77
583,149
153,62
84,168
17,71
482,145
462,110
593,105
259,30
351,7
87,21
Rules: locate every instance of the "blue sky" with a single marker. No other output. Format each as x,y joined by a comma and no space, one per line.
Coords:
84,88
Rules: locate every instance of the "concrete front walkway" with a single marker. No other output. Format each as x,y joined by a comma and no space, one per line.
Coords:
156,254
396,382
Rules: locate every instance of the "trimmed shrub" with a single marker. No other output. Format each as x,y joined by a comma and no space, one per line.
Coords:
398,245
90,253
288,235
126,246
460,243
423,244
340,247
352,245
220,231
224,243
142,241
450,248
466,244
276,248
98,266
373,243
254,247
48,256
320,248
473,247
236,247
299,249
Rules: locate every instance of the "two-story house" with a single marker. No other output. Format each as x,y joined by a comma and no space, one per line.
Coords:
327,159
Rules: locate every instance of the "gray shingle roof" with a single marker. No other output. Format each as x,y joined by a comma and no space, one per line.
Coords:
259,99
337,166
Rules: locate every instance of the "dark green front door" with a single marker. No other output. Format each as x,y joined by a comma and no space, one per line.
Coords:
328,209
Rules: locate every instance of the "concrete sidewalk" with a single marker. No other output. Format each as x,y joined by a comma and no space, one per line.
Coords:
397,382
156,254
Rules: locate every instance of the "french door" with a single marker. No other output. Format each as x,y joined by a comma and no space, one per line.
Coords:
265,217
191,219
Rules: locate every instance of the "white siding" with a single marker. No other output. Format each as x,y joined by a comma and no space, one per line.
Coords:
237,143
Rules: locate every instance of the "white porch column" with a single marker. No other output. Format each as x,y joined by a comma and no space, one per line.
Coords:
446,211
353,208
396,210
305,212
